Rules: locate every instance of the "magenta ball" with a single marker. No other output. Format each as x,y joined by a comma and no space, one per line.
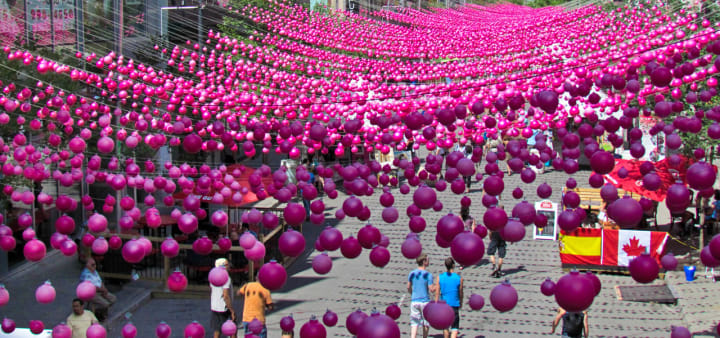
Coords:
390,215
97,331
194,330
177,282
449,226
330,318
547,287
133,252
313,329
493,185
574,293
680,332
163,330
569,220
417,224
129,331
272,275
291,243
393,311
37,327
669,262
322,264
287,323
368,236
626,212
503,297
714,246
476,302
85,290
378,326
61,331
701,175
411,248
467,248
424,197
707,258
8,325
513,231
294,214
34,250
602,162
379,256
354,320
350,247
439,315
495,218
229,328
331,238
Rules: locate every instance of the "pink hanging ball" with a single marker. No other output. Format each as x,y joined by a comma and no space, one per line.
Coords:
170,247
61,330
37,326
4,296
503,297
379,326
96,331
476,302
194,330
34,250
177,282
129,331
644,269
218,276
163,330
272,275
228,328
85,290
45,293
8,325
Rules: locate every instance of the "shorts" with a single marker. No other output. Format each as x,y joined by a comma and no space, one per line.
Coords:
263,333
416,314
494,246
217,319
456,323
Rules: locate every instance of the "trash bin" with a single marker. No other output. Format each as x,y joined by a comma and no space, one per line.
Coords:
689,273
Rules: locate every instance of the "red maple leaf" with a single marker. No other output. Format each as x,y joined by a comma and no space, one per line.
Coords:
634,249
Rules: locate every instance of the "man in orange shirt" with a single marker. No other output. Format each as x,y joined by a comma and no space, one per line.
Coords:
257,300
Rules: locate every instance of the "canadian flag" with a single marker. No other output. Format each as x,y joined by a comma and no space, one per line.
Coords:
621,246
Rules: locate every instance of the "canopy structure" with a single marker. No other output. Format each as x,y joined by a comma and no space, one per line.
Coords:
243,180
669,174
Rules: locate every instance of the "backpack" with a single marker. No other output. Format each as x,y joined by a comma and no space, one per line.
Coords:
573,323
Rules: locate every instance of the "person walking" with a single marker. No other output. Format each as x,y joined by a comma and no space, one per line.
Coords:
257,300
80,319
103,299
450,289
221,308
420,286
497,243
575,324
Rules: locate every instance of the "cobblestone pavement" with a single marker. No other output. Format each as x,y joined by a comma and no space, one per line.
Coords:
356,284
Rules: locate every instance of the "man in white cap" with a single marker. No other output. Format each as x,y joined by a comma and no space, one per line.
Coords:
221,302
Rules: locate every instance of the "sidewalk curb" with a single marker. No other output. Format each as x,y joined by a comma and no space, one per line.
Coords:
140,300
28,266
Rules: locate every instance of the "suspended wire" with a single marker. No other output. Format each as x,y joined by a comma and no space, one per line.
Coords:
427,93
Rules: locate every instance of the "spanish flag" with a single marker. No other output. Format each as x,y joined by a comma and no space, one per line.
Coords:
581,246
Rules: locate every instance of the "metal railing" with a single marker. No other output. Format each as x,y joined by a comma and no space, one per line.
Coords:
156,267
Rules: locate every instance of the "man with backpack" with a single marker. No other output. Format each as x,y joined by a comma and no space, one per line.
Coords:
574,323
